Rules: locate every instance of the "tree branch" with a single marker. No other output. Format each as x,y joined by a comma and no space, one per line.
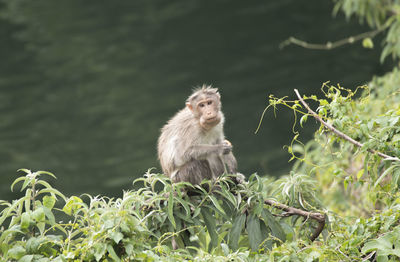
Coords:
341,134
291,211
331,45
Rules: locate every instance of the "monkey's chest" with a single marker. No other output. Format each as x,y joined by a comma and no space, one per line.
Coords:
212,137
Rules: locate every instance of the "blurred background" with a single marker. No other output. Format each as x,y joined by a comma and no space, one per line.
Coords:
85,86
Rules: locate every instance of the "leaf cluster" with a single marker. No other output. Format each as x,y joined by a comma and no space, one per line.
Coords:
380,14
215,221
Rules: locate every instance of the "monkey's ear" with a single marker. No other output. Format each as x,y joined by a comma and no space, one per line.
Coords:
189,105
218,95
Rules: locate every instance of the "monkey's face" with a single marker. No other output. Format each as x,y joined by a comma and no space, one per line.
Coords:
208,112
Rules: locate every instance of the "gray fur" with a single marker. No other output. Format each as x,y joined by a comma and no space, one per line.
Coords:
190,152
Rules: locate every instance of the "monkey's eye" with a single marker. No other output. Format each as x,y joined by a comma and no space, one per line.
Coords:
209,102
201,105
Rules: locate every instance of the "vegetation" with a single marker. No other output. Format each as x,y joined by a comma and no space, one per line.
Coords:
349,174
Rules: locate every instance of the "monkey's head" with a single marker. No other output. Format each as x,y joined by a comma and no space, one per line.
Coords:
205,104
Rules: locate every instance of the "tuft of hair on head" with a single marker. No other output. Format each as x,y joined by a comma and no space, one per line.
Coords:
203,90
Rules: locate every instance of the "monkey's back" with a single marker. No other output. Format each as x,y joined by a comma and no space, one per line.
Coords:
176,136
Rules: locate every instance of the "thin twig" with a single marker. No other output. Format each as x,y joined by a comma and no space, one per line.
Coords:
291,211
341,134
331,45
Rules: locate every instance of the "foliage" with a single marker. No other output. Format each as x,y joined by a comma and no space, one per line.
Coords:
224,221
383,15
220,220
358,188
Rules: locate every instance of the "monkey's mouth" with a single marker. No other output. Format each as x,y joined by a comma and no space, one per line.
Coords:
211,119
210,122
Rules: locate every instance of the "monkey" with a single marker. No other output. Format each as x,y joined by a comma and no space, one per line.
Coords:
192,145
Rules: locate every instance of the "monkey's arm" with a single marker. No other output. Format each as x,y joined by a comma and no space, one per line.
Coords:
202,151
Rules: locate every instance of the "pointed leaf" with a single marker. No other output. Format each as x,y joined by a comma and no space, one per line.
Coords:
234,234
52,191
26,258
276,229
38,214
25,220
254,232
116,236
99,251
112,254
49,215
184,204
209,220
26,183
303,119
28,195
49,201
16,181
45,184
16,252
46,173
387,171
216,204
171,209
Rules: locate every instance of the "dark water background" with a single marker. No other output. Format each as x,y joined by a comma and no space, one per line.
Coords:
85,86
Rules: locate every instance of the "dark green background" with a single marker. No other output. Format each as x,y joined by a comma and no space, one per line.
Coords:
86,85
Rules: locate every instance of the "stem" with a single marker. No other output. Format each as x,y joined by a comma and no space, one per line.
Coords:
341,134
291,211
331,45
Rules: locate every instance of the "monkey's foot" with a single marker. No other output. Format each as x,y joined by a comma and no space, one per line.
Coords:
240,178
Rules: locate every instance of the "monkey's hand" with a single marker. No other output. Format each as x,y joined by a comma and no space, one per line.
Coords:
226,147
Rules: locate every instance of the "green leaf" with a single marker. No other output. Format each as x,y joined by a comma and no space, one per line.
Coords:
72,203
385,245
16,252
303,119
46,173
254,232
41,226
49,215
116,236
28,195
26,183
112,254
184,204
17,180
33,244
225,249
276,228
25,220
367,43
99,251
26,258
171,209
236,230
49,201
44,183
360,174
210,222
10,231
216,204
387,171
27,171
52,191
38,214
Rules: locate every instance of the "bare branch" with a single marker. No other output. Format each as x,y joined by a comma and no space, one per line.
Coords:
331,45
291,211
341,134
